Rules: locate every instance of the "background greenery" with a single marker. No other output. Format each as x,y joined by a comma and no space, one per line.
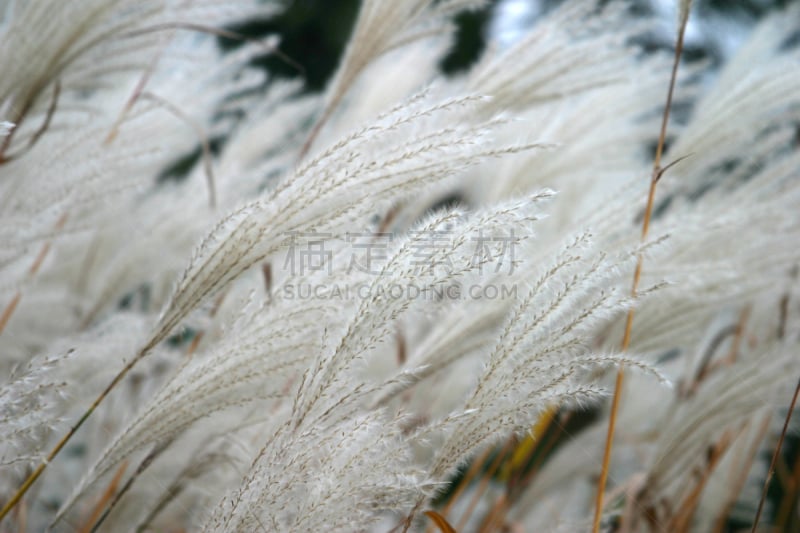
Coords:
314,32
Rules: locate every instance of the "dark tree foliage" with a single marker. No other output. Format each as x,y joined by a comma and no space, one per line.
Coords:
314,32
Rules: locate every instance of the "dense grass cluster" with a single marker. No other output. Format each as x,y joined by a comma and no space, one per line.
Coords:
227,304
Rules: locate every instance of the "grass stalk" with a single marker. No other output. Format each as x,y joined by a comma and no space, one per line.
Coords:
9,309
656,175
31,479
775,456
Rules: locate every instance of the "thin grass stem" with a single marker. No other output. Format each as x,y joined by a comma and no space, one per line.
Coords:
656,176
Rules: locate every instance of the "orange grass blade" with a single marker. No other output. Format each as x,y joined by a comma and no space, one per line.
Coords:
440,522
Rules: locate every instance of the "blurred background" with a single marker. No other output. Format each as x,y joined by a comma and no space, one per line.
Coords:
313,32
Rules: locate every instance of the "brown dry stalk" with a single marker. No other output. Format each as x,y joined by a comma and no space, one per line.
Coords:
789,498
31,479
5,316
782,472
476,466
98,519
682,520
21,517
496,515
9,310
316,129
195,343
269,45
20,113
172,26
658,171
134,97
783,309
707,367
51,111
737,339
205,143
530,443
144,465
147,461
108,494
200,334
402,349
504,502
515,484
775,456
487,477
467,479
440,522
741,479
